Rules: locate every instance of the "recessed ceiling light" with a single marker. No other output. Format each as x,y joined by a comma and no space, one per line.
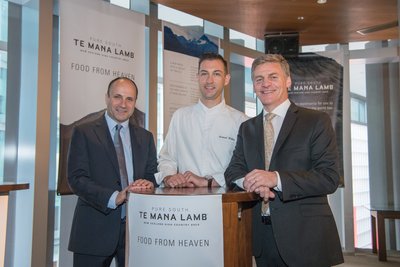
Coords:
321,1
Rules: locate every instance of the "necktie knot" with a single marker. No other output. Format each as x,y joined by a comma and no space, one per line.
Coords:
117,135
269,116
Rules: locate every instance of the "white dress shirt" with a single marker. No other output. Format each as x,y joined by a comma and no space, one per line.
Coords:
200,140
126,142
280,112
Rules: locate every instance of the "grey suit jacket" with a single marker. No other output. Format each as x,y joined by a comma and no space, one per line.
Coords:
305,155
93,175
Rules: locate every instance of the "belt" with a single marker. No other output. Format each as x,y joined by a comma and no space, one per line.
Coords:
266,220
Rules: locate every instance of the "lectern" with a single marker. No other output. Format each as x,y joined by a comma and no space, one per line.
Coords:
237,217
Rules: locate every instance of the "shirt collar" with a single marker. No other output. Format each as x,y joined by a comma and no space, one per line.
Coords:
280,110
111,123
213,109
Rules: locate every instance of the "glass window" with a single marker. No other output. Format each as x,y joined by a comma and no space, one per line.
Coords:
358,79
3,90
240,69
178,17
250,103
213,29
3,20
242,39
142,6
3,79
357,45
260,44
313,48
122,3
358,110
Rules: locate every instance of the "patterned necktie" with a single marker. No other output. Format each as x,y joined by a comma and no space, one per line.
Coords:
268,145
119,148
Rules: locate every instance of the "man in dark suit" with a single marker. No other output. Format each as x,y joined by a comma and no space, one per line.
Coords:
95,175
290,159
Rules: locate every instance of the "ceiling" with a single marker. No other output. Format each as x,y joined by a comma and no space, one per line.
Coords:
336,21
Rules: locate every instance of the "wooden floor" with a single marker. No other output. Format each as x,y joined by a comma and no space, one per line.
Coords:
367,259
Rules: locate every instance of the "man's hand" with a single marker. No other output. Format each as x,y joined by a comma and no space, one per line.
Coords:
140,185
122,196
194,180
261,182
176,180
265,193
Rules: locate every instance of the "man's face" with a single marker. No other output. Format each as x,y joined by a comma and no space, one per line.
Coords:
121,101
212,79
271,85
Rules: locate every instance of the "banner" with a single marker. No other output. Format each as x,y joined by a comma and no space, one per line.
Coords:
182,47
170,230
317,83
98,42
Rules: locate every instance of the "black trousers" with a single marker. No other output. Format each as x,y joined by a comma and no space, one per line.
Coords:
84,260
270,256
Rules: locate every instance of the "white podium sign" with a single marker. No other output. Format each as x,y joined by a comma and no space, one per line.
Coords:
171,230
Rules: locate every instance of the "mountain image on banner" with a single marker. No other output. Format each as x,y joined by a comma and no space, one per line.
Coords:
191,47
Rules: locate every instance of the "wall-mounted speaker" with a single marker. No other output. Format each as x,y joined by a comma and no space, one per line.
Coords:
282,43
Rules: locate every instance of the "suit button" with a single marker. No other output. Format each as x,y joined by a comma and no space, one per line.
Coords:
118,182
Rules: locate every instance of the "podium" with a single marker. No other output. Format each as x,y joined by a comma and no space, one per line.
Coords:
5,189
237,216
237,220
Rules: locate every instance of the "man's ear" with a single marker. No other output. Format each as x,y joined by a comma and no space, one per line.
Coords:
288,82
227,79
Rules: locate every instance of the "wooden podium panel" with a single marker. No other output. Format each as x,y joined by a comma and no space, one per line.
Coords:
237,216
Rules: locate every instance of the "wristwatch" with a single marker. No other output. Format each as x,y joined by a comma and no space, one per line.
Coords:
209,180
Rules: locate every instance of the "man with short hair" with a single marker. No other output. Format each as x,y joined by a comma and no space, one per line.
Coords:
107,158
201,137
287,155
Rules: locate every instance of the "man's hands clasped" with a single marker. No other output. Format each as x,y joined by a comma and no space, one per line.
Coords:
187,179
261,182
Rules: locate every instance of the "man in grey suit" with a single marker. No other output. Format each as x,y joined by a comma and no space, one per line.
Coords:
292,223
95,175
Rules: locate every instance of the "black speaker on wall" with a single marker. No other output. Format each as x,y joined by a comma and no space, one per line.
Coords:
286,44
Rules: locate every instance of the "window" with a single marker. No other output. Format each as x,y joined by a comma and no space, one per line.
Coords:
358,110
122,3
3,79
242,39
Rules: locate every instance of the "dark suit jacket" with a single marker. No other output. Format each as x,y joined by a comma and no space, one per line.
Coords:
93,175
306,158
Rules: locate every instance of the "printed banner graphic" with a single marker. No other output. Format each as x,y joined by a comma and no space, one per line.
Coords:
92,53
182,47
317,83
170,231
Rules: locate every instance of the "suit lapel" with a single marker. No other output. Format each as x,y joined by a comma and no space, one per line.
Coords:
104,137
287,126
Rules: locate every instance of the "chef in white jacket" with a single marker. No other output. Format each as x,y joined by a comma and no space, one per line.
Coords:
201,137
